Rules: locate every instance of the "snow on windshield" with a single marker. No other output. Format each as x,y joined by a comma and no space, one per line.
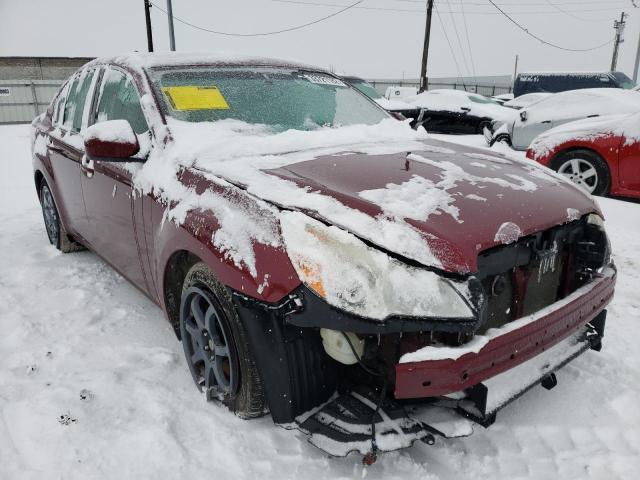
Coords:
281,98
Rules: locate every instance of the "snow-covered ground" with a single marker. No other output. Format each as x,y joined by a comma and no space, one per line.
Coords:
93,383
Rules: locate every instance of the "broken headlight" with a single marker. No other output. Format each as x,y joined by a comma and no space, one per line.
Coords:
594,250
362,280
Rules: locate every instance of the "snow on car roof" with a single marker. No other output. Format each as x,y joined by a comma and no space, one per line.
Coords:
453,100
141,60
574,104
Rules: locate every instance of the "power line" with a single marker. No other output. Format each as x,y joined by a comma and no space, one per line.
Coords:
466,29
260,34
446,36
455,29
569,13
525,30
455,12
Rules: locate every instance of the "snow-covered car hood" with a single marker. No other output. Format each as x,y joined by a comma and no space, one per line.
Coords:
435,203
459,102
627,125
462,202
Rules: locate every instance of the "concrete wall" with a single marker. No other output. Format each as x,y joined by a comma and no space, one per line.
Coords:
39,68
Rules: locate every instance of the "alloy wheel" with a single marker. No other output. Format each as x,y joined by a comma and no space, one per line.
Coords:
208,344
581,172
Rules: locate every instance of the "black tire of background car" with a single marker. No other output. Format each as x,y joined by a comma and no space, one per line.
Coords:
591,157
248,401
482,125
53,225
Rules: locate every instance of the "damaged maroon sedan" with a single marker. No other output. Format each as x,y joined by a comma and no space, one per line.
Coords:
320,260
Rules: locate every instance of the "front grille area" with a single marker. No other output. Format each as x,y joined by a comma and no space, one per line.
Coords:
524,277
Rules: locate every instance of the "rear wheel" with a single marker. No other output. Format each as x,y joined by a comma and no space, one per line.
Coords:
55,229
586,169
215,345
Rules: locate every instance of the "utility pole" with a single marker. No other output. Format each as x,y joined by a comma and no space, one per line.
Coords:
424,84
515,69
637,64
147,17
172,38
619,28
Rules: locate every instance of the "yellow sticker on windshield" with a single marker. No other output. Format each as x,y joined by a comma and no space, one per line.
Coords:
195,98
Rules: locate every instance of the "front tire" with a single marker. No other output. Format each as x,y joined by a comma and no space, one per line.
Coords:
586,169
55,229
216,346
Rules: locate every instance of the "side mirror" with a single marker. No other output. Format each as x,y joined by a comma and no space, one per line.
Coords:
523,115
111,141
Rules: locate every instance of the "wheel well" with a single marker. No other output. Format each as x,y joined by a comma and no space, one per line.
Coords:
174,274
38,177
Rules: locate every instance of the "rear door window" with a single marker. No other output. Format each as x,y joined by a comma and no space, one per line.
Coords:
77,101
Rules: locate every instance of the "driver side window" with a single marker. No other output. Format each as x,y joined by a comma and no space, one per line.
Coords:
119,100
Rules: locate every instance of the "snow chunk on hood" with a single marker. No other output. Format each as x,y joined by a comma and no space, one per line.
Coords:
508,232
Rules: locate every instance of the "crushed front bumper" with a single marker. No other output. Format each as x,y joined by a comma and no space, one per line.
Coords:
443,371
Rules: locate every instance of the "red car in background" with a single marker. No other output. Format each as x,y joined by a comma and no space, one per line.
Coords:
318,259
601,155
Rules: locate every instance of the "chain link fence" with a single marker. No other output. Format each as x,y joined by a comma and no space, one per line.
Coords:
483,89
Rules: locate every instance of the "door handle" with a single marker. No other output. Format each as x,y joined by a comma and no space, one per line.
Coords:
546,121
87,166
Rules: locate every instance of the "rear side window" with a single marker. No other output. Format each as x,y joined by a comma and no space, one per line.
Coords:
119,100
58,106
76,100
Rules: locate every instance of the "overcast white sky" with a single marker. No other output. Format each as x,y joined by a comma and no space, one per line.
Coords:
381,38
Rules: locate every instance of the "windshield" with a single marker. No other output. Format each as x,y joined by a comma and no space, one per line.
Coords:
280,98
482,99
623,80
367,89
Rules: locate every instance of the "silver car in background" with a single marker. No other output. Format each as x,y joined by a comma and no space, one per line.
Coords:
558,109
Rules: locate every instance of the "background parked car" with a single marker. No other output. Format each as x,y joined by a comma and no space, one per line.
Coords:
458,112
554,82
601,155
390,105
503,98
400,93
559,109
525,100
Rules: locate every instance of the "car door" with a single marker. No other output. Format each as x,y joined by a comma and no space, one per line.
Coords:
66,150
629,167
108,196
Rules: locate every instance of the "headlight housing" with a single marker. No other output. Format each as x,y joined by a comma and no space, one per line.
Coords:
596,250
364,281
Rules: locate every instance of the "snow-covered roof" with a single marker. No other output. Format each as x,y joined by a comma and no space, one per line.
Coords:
138,60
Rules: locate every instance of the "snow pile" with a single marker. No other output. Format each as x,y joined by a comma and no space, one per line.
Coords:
417,199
